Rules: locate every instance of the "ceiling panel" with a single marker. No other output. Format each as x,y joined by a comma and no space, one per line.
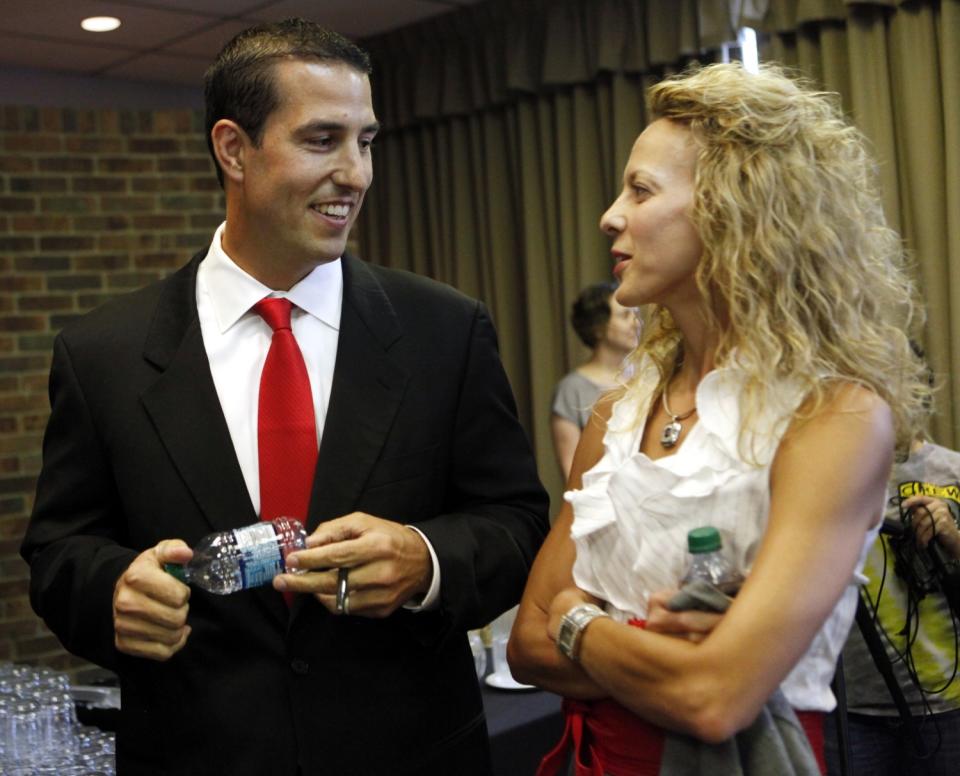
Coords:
47,55
209,42
160,39
141,28
211,7
159,67
352,18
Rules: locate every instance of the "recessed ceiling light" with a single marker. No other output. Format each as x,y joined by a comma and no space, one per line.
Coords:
100,23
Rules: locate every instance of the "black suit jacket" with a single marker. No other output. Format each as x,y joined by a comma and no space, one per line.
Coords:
421,428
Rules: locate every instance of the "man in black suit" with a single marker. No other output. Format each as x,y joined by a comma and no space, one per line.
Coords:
425,490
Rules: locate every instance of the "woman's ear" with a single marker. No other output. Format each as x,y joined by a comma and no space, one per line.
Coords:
229,145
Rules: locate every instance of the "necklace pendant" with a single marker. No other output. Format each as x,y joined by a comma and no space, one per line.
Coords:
671,434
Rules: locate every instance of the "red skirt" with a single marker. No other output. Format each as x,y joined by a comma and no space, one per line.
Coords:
608,739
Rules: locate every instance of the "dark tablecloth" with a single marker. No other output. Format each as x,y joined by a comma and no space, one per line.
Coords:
524,726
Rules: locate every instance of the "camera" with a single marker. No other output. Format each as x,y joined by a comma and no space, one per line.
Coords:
927,569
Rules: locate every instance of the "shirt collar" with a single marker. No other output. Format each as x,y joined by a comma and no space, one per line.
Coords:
233,291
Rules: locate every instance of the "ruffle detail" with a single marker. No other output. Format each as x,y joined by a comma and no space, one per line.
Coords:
632,515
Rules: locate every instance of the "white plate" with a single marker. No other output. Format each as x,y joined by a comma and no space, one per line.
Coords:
506,682
96,697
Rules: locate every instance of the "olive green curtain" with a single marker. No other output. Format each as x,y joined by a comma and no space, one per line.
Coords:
507,125
506,129
896,66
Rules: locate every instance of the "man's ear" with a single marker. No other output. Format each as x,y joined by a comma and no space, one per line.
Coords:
230,143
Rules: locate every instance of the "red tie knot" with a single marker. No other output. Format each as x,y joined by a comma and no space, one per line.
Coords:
275,311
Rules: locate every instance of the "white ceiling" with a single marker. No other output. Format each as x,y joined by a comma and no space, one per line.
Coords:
173,41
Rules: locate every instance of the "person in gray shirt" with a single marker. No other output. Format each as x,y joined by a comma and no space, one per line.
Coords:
918,630
610,331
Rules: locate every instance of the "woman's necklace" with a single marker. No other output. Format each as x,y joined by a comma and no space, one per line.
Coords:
673,429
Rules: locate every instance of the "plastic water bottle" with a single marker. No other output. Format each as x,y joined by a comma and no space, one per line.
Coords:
229,561
708,561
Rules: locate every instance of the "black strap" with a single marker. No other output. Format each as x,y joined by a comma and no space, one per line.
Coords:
839,687
882,661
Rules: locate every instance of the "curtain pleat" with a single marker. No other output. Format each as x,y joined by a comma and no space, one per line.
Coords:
921,147
493,52
505,205
949,51
871,102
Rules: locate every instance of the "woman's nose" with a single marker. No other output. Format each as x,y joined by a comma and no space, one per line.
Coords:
612,223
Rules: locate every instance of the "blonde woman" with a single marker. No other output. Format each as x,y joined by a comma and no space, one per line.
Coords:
769,393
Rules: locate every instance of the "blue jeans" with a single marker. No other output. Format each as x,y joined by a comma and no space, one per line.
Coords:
880,746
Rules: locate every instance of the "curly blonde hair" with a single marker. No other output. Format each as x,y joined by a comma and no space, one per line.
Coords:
802,276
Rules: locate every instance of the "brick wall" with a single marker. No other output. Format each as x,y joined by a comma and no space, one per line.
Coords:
93,203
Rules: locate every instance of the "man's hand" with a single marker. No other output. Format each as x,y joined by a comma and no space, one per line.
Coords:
931,517
388,564
692,625
150,606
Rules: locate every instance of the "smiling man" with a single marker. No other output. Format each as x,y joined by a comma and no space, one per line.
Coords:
276,376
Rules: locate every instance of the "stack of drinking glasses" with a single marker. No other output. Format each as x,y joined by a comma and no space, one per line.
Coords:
39,732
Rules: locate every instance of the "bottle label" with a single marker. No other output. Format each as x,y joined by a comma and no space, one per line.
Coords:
260,556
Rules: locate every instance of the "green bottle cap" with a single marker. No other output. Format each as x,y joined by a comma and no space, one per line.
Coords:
176,570
704,539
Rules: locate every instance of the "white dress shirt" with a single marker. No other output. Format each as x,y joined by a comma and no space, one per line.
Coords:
237,339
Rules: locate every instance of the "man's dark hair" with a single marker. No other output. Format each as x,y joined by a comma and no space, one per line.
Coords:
591,312
239,85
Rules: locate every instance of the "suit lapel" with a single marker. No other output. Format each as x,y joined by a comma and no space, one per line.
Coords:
185,409
367,388
186,413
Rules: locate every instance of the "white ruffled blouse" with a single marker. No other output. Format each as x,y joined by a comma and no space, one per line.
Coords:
632,515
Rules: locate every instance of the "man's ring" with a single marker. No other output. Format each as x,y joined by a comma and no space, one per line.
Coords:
342,594
346,604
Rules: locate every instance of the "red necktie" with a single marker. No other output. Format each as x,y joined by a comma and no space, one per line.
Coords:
287,430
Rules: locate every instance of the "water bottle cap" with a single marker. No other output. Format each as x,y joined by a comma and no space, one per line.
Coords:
176,570
703,539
